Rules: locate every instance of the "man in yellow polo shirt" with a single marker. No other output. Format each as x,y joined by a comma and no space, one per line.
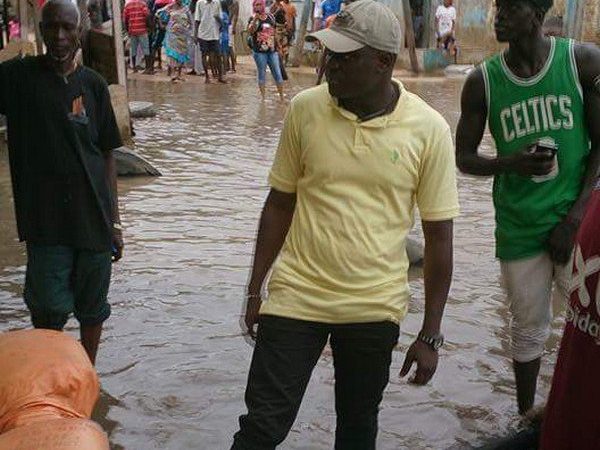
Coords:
356,157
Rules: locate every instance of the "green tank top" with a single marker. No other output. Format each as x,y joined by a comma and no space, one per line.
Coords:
521,112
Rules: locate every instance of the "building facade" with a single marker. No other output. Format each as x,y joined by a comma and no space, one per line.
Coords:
475,25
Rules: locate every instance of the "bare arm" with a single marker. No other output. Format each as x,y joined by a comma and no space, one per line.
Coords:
438,272
253,25
562,239
471,126
275,222
438,277
111,177
588,61
197,17
235,14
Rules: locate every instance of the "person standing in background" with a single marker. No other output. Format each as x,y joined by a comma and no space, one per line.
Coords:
330,8
208,34
290,15
317,15
541,101
416,8
61,136
135,17
234,16
151,24
445,26
261,28
14,29
281,34
177,39
161,19
224,39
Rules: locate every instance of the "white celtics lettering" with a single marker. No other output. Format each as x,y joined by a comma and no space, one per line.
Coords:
536,115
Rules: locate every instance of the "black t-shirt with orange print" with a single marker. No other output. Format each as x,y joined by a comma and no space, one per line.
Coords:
59,132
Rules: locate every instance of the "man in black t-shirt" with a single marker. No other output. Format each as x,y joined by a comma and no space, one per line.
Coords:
61,133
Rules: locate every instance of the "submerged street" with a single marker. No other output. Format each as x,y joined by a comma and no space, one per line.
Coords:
173,362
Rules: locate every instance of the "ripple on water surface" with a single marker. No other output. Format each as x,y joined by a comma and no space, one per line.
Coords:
173,363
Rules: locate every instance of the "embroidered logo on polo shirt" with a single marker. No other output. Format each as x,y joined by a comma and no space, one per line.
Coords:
394,156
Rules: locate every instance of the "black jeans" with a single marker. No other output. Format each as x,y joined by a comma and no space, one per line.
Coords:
286,353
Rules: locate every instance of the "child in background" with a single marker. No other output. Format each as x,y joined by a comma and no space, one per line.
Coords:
224,37
14,29
231,60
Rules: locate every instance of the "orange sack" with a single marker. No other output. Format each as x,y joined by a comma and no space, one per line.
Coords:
48,389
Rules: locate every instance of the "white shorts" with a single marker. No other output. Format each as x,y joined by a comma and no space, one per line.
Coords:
528,283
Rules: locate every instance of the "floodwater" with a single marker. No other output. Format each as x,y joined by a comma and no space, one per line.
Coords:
173,363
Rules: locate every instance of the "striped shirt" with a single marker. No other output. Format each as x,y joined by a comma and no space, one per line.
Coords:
135,16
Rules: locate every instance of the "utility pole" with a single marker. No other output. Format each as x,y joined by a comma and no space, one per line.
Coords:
410,36
118,39
6,28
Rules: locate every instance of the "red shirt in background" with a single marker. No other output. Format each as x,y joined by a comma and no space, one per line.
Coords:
572,419
135,16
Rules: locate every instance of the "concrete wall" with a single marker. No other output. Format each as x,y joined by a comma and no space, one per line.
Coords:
581,18
475,30
475,27
120,104
591,22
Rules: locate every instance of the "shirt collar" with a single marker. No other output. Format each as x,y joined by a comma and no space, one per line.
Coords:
378,122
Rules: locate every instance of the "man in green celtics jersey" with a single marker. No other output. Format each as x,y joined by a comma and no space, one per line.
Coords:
542,103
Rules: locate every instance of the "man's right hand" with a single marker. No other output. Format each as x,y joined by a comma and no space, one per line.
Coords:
254,302
527,164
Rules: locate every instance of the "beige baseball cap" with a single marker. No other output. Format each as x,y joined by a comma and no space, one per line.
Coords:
362,23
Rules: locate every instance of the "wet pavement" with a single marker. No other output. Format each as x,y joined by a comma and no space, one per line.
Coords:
173,363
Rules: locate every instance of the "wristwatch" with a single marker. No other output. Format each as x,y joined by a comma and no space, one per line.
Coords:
435,342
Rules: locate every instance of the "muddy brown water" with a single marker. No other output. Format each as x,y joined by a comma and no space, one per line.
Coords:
173,363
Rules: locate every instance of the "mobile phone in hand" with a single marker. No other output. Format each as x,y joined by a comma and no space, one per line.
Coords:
545,146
